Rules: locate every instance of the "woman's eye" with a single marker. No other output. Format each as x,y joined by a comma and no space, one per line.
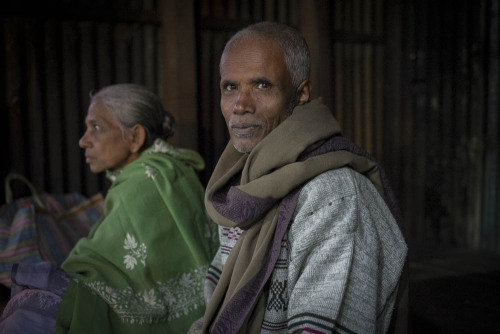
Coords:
96,127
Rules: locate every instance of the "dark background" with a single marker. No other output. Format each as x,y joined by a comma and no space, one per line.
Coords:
416,83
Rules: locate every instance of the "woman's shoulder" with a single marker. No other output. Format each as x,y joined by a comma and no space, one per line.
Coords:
163,149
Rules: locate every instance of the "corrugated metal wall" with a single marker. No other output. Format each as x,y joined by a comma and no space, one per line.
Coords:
445,135
54,53
415,82
358,63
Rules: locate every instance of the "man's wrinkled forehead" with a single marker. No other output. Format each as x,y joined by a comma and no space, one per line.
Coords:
264,42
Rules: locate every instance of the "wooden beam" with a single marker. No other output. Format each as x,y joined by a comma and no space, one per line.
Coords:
178,86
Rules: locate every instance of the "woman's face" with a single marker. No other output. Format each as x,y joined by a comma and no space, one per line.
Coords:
105,146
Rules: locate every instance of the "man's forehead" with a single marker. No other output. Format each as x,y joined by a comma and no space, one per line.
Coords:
260,58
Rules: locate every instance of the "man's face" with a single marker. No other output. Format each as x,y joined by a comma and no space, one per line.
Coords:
105,147
256,91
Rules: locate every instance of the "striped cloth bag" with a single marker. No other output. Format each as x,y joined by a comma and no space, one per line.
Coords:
42,227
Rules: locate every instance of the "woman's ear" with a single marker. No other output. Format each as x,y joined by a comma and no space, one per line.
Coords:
304,92
137,138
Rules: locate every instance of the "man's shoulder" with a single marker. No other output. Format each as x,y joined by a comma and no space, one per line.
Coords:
333,184
328,205
324,206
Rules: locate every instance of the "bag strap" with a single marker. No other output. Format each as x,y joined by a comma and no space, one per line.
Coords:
8,191
91,202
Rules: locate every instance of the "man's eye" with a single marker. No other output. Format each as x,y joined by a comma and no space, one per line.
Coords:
229,87
263,85
96,127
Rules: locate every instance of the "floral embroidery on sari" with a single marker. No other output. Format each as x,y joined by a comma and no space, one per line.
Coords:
151,171
164,302
135,252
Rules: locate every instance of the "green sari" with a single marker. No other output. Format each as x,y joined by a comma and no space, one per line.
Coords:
141,269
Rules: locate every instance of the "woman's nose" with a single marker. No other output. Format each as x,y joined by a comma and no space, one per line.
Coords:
84,142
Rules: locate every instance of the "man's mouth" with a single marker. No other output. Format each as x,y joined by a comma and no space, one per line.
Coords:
244,130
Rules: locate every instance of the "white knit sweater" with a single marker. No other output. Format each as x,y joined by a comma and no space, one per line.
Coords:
340,261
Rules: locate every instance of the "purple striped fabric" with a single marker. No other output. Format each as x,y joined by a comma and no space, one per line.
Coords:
37,291
31,234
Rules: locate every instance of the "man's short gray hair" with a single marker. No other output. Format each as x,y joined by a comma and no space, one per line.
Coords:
132,104
290,41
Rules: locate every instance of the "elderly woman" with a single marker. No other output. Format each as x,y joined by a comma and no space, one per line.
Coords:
141,268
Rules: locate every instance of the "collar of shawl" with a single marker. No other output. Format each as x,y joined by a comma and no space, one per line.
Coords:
243,187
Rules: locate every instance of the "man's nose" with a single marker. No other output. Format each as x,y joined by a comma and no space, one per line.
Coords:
244,102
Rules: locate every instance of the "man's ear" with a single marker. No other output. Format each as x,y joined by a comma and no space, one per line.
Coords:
304,92
136,138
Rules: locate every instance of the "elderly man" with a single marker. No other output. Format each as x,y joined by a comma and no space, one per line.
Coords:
308,237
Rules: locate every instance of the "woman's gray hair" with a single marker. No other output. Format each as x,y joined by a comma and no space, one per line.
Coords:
132,104
294,47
